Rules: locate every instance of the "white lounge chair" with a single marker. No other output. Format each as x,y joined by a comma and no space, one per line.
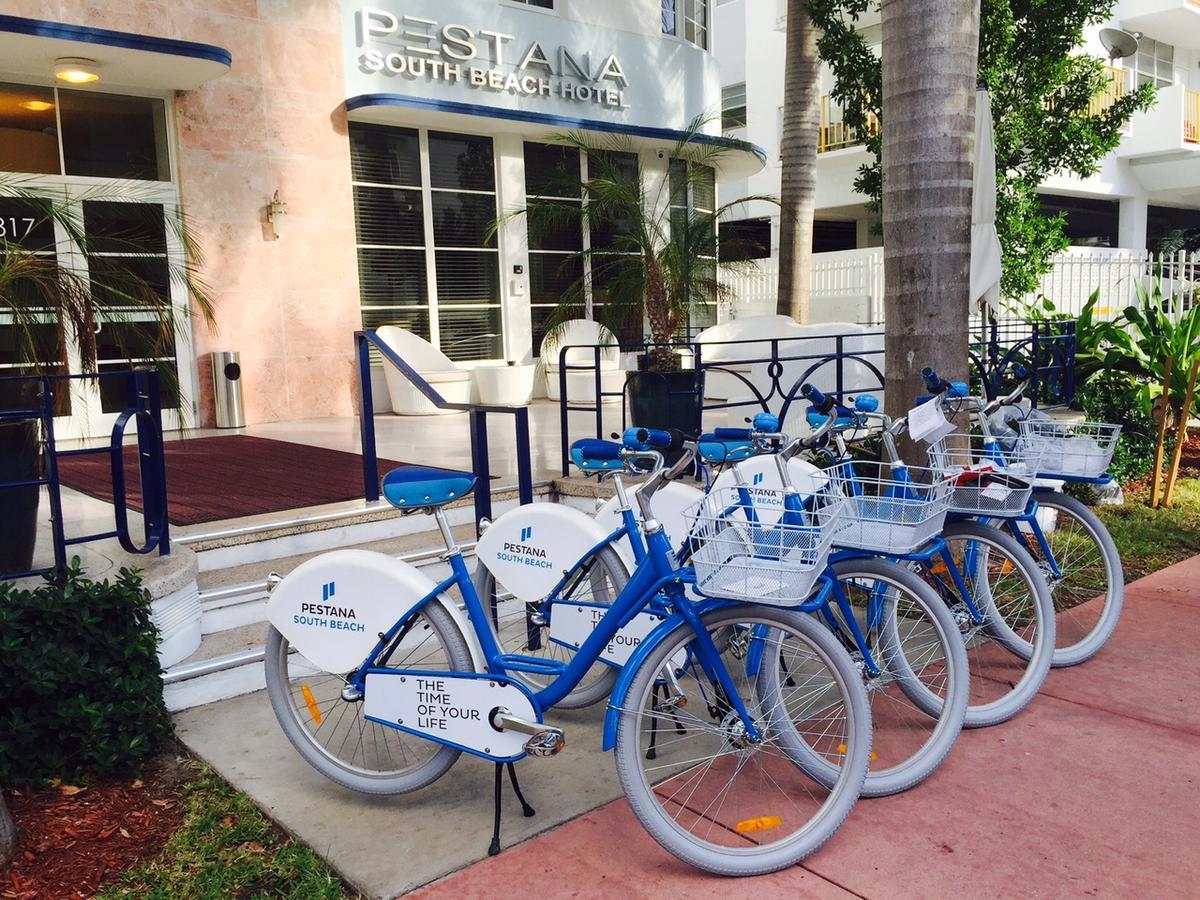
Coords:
581,383
443,374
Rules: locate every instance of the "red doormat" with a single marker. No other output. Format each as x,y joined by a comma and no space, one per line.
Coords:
226,477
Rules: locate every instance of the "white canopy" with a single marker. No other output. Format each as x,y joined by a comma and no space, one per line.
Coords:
985,245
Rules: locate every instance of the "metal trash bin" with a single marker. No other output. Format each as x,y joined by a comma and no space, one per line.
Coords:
227,389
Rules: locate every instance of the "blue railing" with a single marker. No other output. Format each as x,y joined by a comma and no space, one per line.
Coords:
852,363
480,463
143,406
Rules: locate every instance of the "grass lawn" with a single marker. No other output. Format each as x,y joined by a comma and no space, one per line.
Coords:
226,847
1152,539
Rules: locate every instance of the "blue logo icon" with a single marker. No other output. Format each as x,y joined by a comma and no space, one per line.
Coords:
526,533
758,478
328,590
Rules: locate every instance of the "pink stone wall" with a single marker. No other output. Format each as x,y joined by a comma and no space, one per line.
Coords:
274,122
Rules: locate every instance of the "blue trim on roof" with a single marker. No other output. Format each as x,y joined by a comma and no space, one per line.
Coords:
102,36
520,115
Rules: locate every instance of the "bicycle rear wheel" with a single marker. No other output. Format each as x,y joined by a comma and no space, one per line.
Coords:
919,698
1010,650
1089,590
518,627
707,792
325,722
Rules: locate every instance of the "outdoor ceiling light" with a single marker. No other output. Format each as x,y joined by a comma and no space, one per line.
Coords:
76,70
37,105
277,215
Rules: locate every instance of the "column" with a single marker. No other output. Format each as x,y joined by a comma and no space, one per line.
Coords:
1131,226
514,247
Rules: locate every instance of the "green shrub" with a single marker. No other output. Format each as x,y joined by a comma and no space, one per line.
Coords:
82,684
1115,397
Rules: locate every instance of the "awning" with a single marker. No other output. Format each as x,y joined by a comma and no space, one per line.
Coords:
29,48
741,160
985,244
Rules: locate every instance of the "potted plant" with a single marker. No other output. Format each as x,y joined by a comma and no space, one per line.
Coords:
48,308
653,259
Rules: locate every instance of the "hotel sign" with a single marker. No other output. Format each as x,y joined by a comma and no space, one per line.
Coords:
485,58
614,67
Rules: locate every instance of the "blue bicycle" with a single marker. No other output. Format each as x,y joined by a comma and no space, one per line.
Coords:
372,674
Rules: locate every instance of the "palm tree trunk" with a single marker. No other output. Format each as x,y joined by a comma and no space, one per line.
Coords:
930,57
8,833
798,162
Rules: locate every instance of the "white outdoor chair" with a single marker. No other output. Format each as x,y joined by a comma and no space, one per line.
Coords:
443,374
581,384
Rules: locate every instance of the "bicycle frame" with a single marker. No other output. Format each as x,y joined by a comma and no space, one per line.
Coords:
654,576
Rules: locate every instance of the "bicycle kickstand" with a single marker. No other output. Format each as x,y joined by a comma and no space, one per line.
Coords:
526,809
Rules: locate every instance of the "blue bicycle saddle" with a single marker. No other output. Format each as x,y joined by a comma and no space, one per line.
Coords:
596,455
414,487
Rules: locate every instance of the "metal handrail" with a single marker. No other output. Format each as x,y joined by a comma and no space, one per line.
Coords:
480,463
143,406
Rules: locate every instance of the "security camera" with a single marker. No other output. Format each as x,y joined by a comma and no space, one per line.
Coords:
662,154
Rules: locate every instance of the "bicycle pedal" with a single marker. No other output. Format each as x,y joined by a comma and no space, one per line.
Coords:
546,743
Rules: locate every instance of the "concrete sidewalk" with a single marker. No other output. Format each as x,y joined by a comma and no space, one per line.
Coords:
1092,791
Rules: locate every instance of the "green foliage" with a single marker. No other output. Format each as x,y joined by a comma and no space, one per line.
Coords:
1152,539
1113,397
1040,92
82,684
226,847
1139,341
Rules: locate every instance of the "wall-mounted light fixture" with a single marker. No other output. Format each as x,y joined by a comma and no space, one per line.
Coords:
277,215
76,70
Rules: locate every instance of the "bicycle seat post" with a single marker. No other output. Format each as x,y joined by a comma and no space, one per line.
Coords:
452,548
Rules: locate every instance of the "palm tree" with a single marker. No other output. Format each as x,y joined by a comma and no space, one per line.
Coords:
654,250
929,72
798,162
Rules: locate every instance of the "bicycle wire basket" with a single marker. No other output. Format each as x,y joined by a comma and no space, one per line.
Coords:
747,546
891,515
1067,449
985,481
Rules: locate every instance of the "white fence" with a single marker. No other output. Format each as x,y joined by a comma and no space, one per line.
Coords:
848,284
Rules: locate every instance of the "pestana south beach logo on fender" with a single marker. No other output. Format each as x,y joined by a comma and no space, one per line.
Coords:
485,59
524,553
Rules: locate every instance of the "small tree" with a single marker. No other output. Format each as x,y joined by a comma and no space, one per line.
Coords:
1045,110
654,250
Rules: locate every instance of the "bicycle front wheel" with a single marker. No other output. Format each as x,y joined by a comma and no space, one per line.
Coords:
1009,635
707,791
1089,589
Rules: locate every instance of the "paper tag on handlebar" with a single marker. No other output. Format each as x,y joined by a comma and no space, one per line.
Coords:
927,422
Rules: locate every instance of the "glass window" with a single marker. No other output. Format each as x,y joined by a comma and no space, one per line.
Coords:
733,106
540,4
693,199
28,130
554,191
442,284
695,22
108,136
1155,63
669,23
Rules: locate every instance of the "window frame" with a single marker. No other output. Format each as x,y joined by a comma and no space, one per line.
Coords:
682,19
743,106
1155,78
430,247
552,10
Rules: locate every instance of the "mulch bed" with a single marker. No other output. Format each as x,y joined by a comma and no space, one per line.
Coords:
229,476
1189,467
74,839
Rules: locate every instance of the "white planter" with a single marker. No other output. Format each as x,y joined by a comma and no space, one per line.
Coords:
505,385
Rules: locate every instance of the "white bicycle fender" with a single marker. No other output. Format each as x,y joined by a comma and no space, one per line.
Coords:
332,608
762,480
669,504
529,548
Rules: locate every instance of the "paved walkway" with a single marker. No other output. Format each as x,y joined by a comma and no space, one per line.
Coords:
1093,791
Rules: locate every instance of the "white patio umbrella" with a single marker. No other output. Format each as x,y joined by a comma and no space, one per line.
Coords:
985,245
